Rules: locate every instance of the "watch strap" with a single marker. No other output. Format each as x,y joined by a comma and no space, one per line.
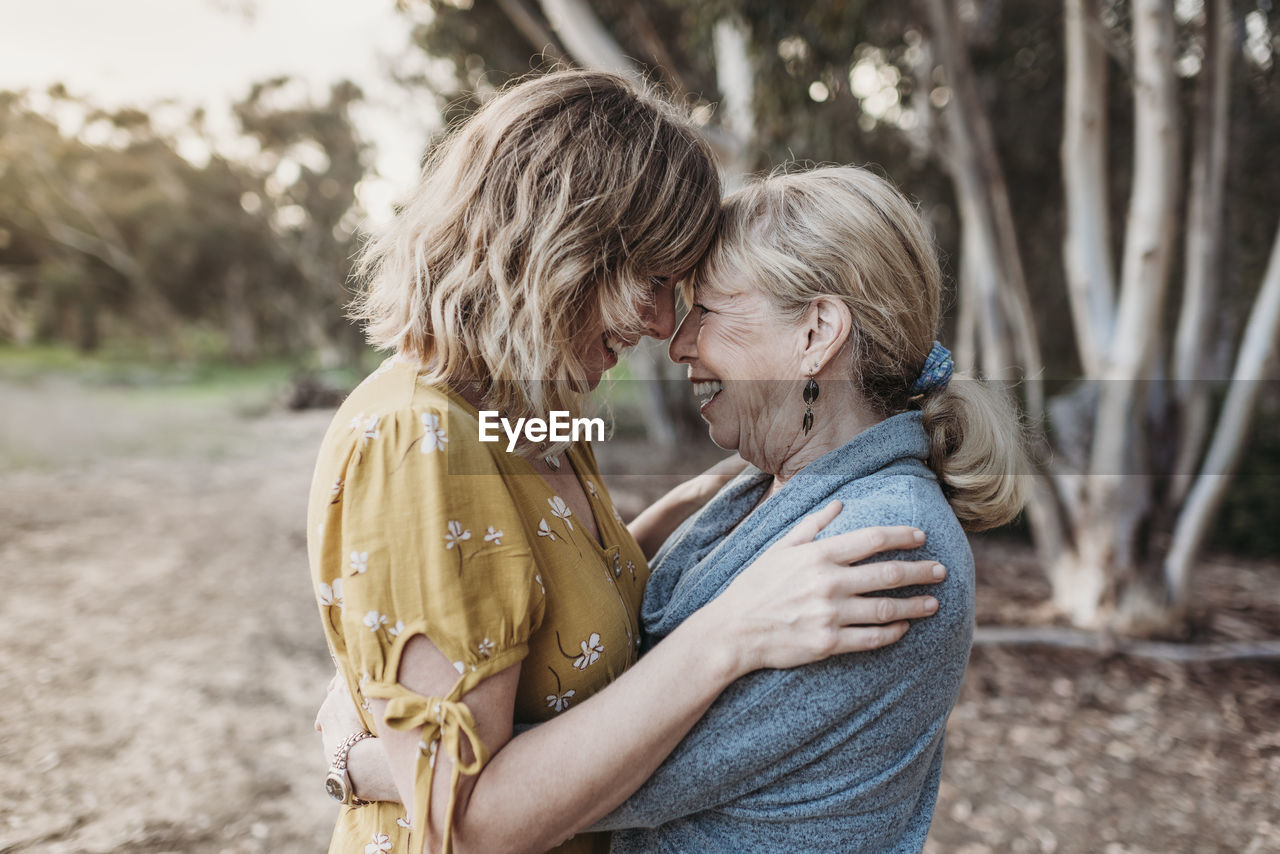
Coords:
338,768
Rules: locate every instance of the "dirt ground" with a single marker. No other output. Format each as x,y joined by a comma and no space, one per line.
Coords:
163,662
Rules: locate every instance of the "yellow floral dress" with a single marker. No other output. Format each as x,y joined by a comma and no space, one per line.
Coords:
415,526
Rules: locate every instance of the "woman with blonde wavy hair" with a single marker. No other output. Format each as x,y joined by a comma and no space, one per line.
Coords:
464,590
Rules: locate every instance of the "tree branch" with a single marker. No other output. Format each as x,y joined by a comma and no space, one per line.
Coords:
531,27
585,37
1087,245
1203,244
1256,349
736,79
1149,238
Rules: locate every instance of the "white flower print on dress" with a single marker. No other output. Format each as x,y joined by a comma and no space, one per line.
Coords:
456,535
560,702
591,649
493,536
553,462
541,586
403,821
434,439
395,630
359,562
545,531
460,667
331,595
560,510
374,620
381,842
367,426
591,488
485,648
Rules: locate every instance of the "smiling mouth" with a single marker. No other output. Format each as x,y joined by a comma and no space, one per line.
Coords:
707,390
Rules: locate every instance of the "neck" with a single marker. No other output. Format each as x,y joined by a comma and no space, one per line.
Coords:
830,431
465,387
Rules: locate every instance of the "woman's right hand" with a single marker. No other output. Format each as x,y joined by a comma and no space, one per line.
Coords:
801,601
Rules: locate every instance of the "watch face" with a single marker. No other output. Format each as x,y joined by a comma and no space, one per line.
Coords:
333,785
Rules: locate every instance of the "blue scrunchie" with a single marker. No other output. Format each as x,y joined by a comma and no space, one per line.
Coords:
936,372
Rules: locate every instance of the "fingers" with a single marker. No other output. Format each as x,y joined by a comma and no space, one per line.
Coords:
888,575
872,610
810,525
862,638
865,542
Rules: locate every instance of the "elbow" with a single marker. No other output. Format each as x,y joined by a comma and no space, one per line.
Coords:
476,841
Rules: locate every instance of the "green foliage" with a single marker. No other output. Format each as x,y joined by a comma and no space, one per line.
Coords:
108,232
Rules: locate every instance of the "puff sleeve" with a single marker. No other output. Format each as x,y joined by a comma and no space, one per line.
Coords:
438,554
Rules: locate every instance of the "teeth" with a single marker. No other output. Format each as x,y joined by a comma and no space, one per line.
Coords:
707,389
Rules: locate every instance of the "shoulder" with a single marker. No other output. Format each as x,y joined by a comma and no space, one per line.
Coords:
394,419
906,493
909,497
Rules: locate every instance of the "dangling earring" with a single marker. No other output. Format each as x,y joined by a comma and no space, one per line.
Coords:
810,395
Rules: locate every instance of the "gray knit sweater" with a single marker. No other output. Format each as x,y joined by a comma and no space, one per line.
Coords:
842,755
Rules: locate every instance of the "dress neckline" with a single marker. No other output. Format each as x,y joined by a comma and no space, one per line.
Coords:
572,453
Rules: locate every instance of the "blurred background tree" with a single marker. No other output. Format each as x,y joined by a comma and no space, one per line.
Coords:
965,105
1097,173
108,232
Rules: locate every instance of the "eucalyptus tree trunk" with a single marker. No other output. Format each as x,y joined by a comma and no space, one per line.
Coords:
1257,349
1202,263
1120,485
1102,524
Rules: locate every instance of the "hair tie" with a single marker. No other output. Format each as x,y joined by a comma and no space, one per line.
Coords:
936,372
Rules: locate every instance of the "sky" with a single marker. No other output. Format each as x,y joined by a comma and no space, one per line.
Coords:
208,52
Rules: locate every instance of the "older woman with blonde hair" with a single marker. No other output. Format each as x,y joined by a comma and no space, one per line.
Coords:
465,590
811,338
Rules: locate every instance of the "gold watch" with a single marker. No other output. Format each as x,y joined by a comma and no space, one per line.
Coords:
338,782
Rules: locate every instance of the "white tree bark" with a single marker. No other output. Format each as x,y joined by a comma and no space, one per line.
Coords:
1149,239
979,243
1087,248
736,79
989,241
530,26
1256,350
1203,261
585,38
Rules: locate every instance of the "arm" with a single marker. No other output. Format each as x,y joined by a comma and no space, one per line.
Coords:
879,706
586,761
865,723
656,522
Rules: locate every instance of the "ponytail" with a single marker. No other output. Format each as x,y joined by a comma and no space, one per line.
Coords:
976,450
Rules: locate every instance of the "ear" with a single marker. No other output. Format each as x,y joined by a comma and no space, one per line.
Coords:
828,322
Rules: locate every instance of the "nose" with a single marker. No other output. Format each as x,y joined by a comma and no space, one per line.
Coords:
660,318
684,344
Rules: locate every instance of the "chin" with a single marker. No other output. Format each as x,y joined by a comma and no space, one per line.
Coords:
721,438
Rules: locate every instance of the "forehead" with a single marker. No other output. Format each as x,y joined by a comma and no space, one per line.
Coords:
720,283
